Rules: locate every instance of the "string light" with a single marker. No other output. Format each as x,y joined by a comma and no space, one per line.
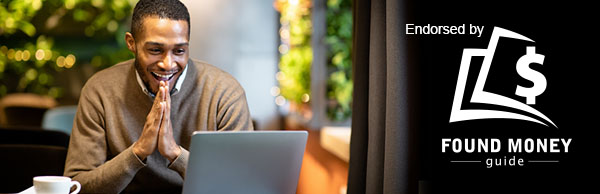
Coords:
18,56
275,91
280,100
25,55
284,33
39,54
60,61
69,61
283,49
10,54
305,98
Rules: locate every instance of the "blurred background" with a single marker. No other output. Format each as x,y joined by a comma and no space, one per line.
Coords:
293,58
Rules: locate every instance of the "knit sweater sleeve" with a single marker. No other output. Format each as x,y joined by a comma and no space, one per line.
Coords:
87,160
233,113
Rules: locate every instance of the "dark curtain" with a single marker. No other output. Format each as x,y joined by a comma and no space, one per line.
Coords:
382,156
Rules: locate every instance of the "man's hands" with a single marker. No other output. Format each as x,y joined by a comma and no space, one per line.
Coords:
166,143
158,130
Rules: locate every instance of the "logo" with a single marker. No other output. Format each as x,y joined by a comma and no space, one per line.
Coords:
484,97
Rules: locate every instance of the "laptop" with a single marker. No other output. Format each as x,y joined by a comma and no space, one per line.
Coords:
244,162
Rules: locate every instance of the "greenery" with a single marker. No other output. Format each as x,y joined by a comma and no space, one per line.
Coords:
39,39
339,40
296,51
295,65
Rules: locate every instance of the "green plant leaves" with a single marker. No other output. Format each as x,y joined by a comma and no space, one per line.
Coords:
339,41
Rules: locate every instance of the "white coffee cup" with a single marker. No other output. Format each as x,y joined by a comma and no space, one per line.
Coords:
54,185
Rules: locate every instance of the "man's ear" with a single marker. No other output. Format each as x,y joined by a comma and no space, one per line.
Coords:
130,41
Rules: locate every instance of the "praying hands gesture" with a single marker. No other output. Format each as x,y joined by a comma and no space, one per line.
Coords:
158,130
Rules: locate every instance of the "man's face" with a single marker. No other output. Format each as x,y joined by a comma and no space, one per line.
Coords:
161,50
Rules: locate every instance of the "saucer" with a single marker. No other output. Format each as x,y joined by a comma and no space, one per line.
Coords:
29,190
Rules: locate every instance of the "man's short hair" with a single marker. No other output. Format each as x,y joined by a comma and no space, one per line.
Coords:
168,9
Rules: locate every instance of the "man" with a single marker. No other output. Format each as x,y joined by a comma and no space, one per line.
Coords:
135,119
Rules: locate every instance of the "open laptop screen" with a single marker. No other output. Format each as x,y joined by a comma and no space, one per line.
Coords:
245,162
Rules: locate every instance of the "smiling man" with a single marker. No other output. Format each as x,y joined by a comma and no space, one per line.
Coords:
135,119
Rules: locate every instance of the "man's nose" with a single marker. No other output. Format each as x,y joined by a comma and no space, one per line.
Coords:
167,63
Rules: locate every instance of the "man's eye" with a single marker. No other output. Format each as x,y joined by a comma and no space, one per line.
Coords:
154,51
180,51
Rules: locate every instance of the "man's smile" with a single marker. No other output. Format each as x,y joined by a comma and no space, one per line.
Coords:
163,76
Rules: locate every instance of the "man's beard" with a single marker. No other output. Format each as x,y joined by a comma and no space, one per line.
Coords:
141,73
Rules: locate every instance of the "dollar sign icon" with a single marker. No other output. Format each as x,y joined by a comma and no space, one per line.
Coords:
539,81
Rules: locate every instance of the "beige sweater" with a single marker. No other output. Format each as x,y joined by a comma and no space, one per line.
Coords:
111,115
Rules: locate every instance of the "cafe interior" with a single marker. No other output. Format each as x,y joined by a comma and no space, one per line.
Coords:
313,65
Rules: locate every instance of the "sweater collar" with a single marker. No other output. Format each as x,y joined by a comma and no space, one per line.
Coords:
175,90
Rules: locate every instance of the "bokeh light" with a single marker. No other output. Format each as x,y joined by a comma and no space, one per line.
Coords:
18,55
10,54
280,100
305,98
60,61
69,61
283,49
275,91
39,54
26,55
